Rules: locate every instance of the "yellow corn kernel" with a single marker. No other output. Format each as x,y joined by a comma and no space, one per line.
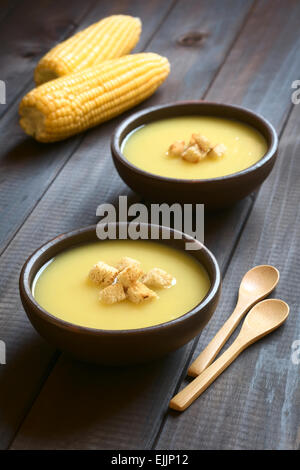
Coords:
71,104
109,38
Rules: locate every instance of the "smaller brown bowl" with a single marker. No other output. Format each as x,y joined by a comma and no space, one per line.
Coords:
215,193
116,347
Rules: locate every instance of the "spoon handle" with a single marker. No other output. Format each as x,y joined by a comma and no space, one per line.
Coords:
187,395
208,354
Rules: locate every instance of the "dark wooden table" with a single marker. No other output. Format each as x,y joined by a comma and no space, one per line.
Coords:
248,53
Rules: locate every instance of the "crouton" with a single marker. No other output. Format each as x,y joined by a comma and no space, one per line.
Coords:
176,149
217,151
112,294
126,261
192,154
138,293
202,142
103,274
129,275
158,278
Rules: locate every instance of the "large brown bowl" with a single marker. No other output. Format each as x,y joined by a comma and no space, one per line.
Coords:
215,193
116,347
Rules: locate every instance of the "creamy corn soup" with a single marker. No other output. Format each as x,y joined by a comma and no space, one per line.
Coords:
147,146
63,289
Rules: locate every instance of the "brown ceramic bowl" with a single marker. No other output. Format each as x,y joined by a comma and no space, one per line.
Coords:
215,193
116,347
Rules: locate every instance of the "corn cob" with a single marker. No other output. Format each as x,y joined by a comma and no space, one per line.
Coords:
110,38
68,105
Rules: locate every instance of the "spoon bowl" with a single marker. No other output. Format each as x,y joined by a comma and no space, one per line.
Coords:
258,282
265,317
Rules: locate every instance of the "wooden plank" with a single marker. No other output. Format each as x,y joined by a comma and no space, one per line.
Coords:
177,430
27,167
71,202
255,403
102,433
112,431
6,7
29,358
267,50
253,77
48,24
258,74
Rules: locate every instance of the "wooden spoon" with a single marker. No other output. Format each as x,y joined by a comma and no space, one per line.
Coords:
256,285
263,318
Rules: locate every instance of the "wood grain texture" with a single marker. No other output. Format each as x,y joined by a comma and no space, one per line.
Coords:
177,432
264,62
255,75
70,202
255,404
86,180
6,7
27,167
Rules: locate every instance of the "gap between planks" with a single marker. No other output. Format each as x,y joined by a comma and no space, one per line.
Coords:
276,427
69,143
81,138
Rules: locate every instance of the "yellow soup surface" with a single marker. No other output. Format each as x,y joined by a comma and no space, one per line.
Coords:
62,288
147,145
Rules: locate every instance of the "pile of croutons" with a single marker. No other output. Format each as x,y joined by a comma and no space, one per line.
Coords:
128,281
197,149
